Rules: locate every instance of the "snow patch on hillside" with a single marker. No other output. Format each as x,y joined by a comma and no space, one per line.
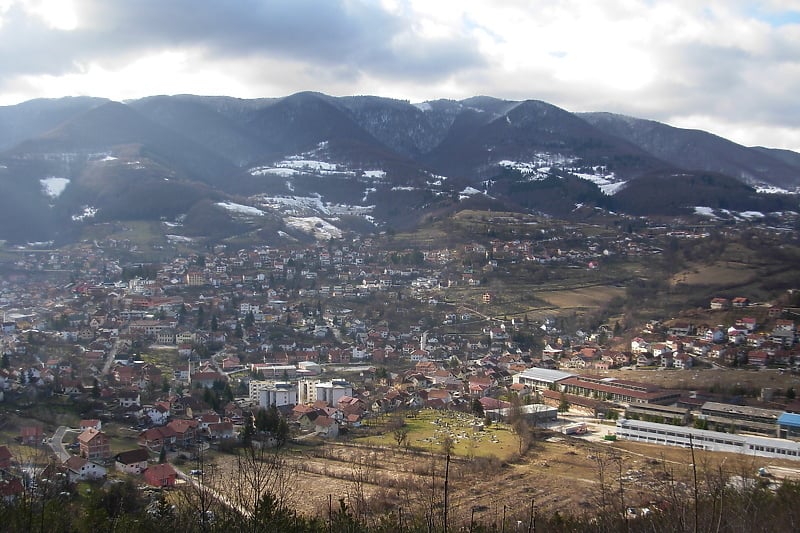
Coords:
240,209
542,164
751,214
467,192
304,164
704,211
607,183
771,189
178,238
295,205
280,172
88,212
53,186
322,230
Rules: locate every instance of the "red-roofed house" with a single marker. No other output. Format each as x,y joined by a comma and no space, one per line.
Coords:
31,435
94,444
155,438
185,431
221,430
163,475
5,458
91,423
10,489
326,427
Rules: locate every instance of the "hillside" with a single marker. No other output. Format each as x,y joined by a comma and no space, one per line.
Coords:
71,162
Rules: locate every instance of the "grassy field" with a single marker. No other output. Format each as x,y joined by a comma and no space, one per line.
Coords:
429,428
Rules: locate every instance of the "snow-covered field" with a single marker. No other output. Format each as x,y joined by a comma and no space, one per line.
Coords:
771,189
607,186
313,163
240,209
704,211
293,204
321,229
53,186
542,164
179,238
88,212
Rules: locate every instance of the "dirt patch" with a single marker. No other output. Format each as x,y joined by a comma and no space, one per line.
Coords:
589,297
571,475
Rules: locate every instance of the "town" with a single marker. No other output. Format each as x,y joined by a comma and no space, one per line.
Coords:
113,366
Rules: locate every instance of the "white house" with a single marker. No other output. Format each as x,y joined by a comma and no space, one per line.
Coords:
132,461
158,414
81,469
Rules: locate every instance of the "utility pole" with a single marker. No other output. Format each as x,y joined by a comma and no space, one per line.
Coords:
532,518
446,474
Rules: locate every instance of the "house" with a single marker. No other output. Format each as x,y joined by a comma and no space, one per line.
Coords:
81,469
132,461
185,431
720,303
5,458
155,438
207,420
31,435
758,357
682,361
740,301
326,427
748,323
207,379
162,475
158,413
644,359
221,430
90,423
128,398
639,345
10,488
94,444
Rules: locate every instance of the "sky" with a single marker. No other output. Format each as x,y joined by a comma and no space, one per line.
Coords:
731,67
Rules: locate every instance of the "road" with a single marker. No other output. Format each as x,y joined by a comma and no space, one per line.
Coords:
112,354
57,443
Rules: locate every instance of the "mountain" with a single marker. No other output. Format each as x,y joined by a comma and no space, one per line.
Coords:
36,117
486,133
700,150
291,167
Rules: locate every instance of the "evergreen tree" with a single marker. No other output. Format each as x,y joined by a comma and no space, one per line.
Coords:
201,316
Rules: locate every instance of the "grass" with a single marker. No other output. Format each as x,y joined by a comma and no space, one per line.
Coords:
428,429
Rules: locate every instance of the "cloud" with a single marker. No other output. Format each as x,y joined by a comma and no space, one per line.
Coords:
736,63
349,35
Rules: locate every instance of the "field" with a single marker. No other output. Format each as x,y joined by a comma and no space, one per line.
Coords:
582,298
428,429
570,475
726,380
